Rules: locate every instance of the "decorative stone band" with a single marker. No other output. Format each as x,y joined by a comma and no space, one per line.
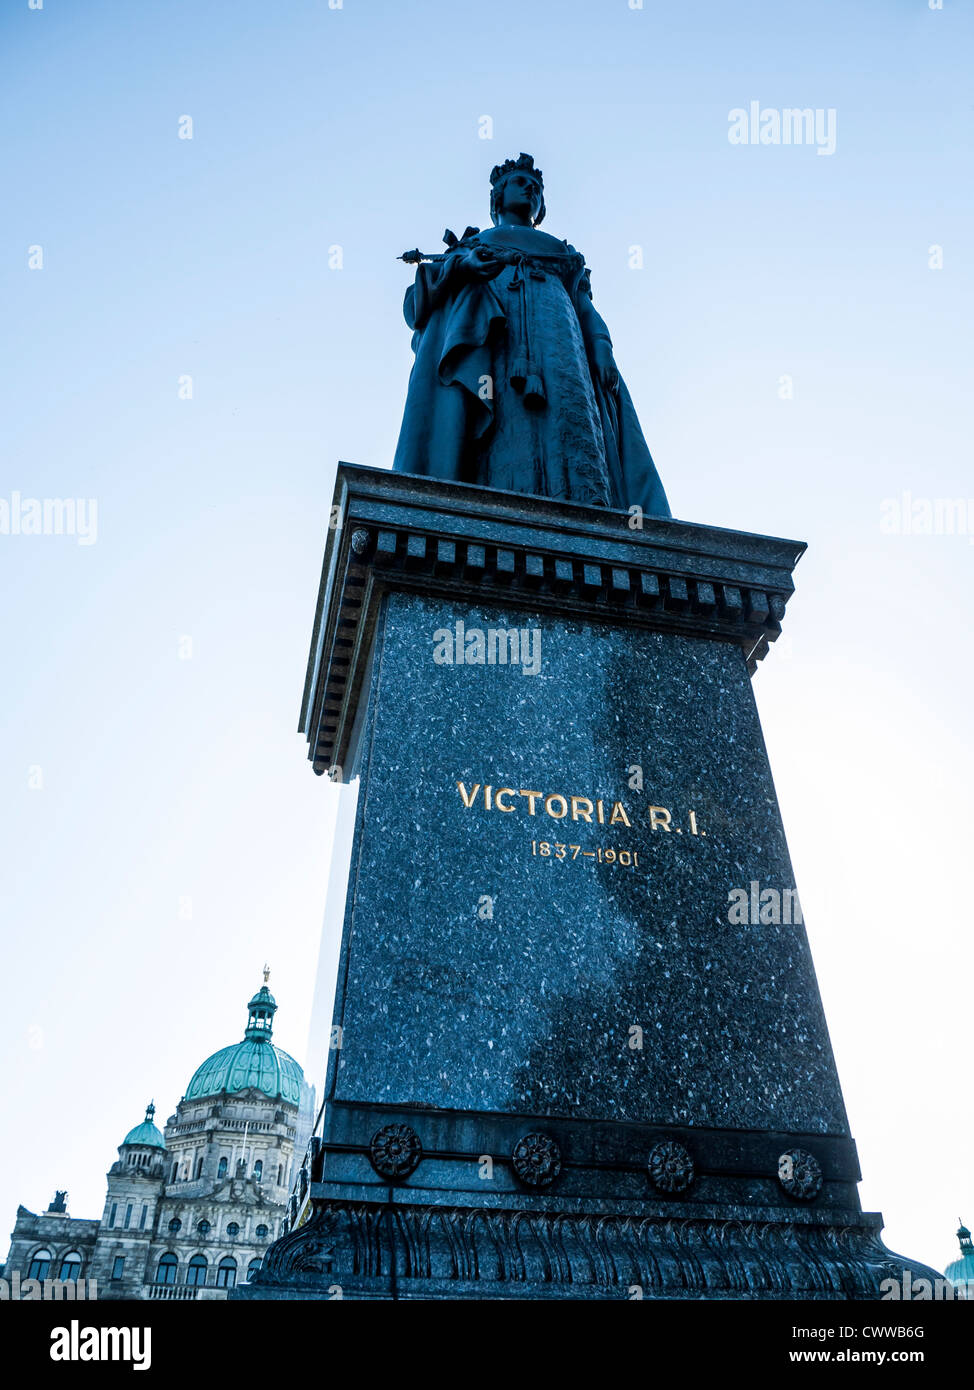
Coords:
472,544
421,1251
396,1152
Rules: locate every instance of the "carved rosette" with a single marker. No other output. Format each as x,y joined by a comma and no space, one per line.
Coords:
800,1174
395,1150
670,1167
537,1160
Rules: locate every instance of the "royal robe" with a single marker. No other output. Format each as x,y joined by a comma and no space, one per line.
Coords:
503,390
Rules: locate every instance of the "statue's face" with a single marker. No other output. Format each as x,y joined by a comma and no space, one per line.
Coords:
521,196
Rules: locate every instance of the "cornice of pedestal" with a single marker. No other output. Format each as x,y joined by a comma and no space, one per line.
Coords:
395,531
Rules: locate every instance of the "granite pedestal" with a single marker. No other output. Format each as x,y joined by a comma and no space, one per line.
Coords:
578,1045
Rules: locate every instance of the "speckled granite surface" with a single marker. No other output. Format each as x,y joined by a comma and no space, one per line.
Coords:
531,1008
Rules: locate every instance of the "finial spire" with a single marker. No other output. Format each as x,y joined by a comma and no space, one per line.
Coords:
267,973
150,1112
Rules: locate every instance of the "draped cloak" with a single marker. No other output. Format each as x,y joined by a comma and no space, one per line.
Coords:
503,390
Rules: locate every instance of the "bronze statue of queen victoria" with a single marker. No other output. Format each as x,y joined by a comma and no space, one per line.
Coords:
514,384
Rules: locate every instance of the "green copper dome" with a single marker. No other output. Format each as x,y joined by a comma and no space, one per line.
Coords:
254,1062
146,1133
961,1272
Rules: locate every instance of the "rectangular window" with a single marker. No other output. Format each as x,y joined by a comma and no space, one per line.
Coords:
145,1212
111,1219
128,1215
118,1267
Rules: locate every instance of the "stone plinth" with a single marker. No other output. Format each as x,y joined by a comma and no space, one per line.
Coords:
579,1043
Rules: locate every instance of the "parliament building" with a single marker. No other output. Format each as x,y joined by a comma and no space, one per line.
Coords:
189,1211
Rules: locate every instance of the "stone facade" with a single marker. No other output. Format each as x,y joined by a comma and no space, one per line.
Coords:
189,1213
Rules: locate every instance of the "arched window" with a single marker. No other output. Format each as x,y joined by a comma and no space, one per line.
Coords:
111,1219
203,1227
175,1225
233,1230
259,1169
261,1232
252,1268
280,1174
40,1265
226,1273
166,1271
71,1266
175,1172
221,1171
199,1167
196,1271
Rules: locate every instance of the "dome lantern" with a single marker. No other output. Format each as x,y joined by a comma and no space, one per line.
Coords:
262,1008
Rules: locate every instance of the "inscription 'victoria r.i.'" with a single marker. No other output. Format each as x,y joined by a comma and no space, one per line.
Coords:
590,810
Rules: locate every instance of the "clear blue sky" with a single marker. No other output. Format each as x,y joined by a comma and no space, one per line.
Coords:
165,779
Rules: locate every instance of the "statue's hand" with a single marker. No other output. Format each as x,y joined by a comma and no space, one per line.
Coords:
475,264
606,371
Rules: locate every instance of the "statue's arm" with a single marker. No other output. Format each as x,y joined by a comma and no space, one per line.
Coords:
470,263
427,292
594,327
595,332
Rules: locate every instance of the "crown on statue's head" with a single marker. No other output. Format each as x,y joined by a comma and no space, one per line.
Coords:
524,164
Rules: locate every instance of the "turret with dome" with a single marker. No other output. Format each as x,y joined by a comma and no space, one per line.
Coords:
961,1272
146,1135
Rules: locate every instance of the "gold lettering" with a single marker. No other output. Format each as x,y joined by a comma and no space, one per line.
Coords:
618,816
601,812
659,818
467,800
548,806
487,790
577,813
503,791
532,798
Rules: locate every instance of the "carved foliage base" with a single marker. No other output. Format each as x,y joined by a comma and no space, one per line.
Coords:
421,1251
